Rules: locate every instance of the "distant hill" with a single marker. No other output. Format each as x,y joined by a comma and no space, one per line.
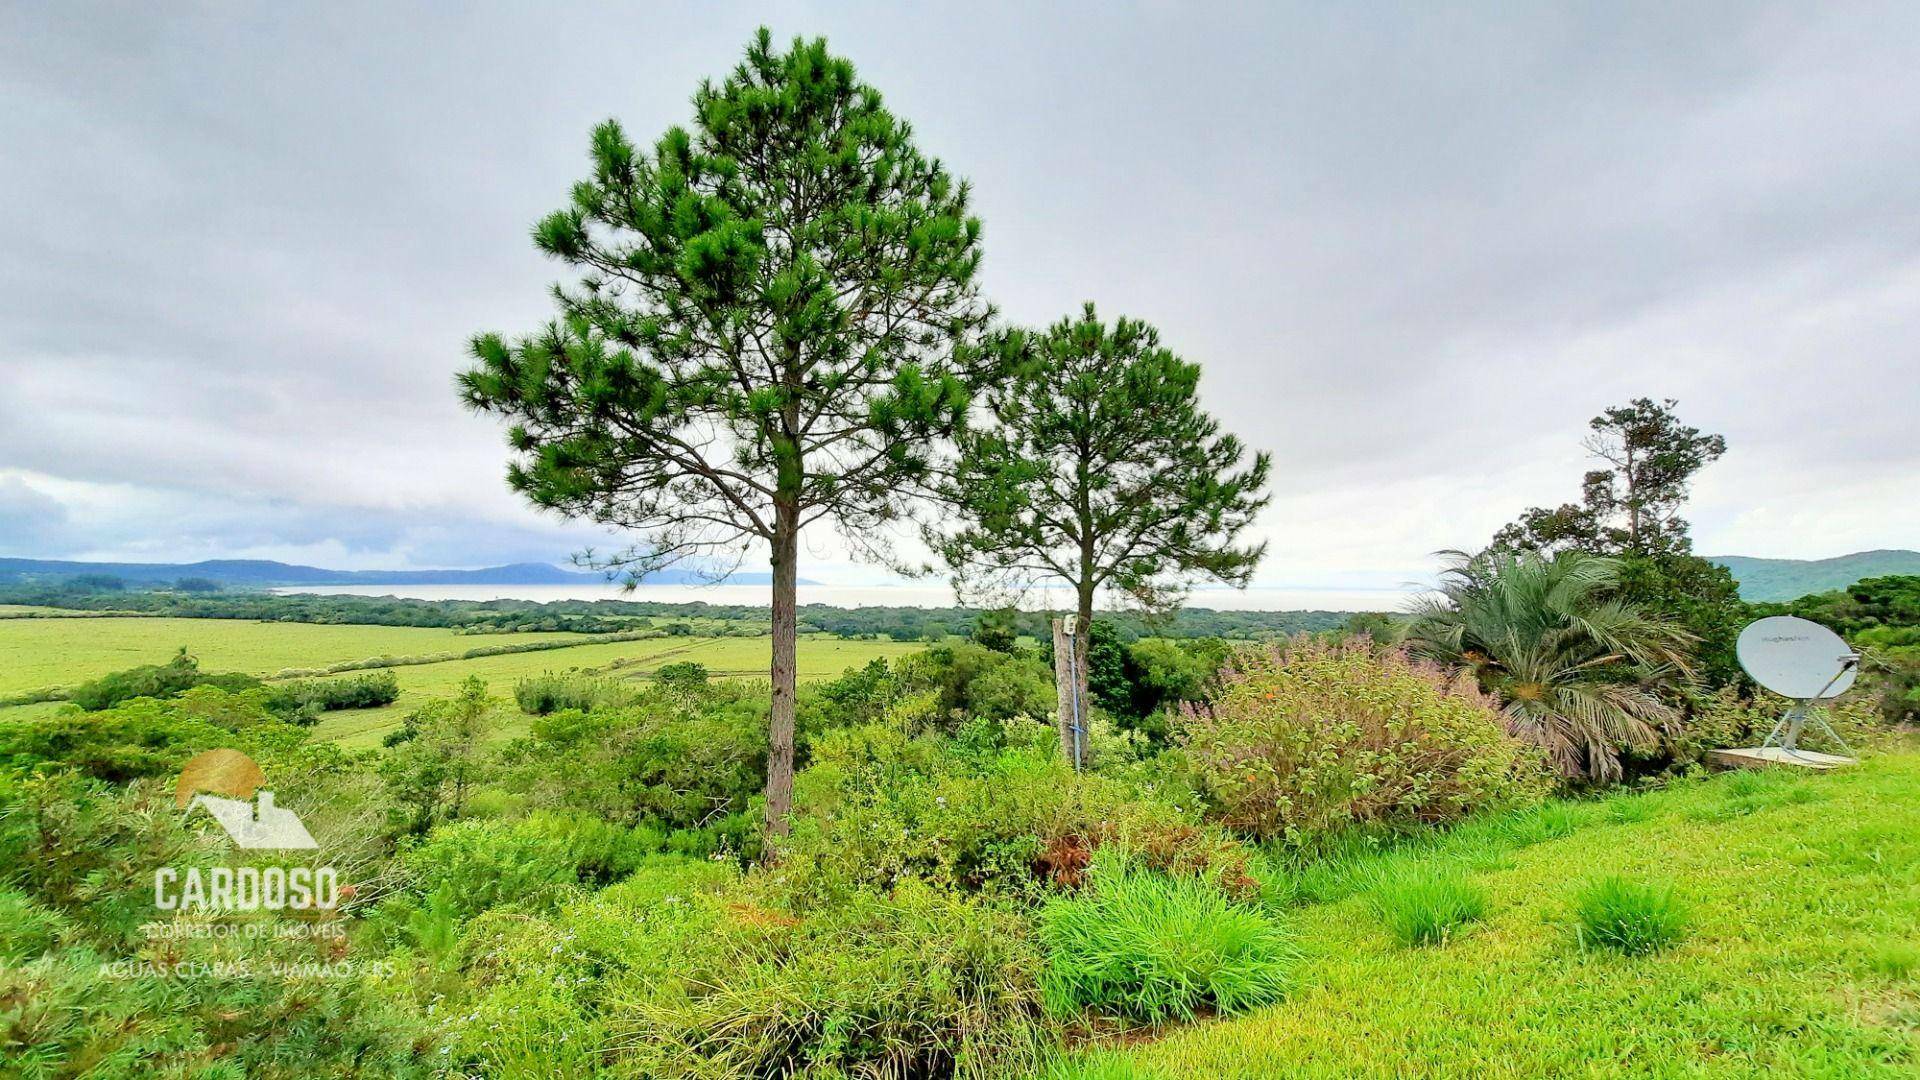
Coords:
262,573
1790,579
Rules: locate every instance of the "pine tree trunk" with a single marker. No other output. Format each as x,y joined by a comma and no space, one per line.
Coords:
786,576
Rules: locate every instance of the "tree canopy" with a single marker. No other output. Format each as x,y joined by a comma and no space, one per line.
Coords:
1630,511
764,332
1632,507
1095,466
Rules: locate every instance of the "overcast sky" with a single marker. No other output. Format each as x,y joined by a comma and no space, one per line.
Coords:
242,247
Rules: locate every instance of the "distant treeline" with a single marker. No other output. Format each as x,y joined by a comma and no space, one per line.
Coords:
615,616
929,624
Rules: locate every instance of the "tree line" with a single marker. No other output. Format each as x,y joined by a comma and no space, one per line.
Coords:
699,618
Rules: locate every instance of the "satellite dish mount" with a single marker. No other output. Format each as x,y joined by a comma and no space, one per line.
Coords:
1786,733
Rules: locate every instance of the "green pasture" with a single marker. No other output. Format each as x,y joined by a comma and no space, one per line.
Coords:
36,654
40,653
820,656
1802,956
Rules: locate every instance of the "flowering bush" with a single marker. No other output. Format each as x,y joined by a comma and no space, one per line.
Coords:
1310,737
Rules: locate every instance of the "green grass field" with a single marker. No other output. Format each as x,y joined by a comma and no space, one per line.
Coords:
820,657
36,654
40,653
1803,956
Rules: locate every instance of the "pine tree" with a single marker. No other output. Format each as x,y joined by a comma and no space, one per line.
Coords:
763,335
1096,467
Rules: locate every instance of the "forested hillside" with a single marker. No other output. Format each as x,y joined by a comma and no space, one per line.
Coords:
1788,579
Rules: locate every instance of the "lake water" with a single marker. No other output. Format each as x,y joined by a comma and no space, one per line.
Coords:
1260,598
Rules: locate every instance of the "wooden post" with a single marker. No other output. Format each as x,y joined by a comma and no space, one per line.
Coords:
1066,687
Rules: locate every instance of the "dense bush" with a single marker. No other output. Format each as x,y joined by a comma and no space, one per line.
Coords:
993,808
1881,617
153,681
1311,737
682,970
1727,718
1145,946
1890,676
686,676
549,693
1877,604
144,737
76,864
1141,681
970,680
532,862
302,701
675,761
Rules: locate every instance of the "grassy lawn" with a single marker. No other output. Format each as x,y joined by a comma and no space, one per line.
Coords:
1802,959
38,653
820,657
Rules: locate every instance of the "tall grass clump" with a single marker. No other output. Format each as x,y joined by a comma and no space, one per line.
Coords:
548,693
1423,904
1144,946
1628,916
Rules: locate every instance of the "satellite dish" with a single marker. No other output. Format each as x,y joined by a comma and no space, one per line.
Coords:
1797,658
1804,661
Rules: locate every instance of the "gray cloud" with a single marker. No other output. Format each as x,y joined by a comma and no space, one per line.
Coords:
1415,249
30,519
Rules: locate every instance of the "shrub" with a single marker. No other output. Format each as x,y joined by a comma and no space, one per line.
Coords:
679,762
686,676
1423,904
683,970
76,898
532,862
992,809
1145,946
302,700
1628,916
154,681
549,693
143,737
1310,737
1725,718
973,681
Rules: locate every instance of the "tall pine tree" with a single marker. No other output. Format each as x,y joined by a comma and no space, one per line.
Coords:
761,335
1096,467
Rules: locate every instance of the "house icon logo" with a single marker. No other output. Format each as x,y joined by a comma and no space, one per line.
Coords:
220,782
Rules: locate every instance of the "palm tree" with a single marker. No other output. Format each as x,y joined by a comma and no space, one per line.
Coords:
1579,672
